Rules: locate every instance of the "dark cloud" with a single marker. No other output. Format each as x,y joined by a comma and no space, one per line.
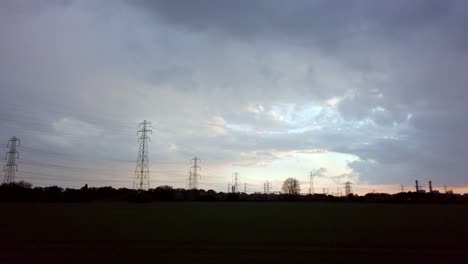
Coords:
327,23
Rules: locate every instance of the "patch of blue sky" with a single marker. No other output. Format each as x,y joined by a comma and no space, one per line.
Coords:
296,115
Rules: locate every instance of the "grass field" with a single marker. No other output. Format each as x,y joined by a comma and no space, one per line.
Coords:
233,232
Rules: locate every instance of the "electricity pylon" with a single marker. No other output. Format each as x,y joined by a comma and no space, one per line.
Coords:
141,180
190,179
11,155
266,187
311,182
194,176
348,189
236,182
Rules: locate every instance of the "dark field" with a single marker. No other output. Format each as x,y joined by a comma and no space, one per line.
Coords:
233,232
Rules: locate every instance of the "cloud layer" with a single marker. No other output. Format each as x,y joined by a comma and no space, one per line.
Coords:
243,82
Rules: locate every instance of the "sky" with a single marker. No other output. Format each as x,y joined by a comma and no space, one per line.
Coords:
371,92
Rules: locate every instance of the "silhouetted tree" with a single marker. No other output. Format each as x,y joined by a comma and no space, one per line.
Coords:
20,184
164,193
22,192
291,186
24,184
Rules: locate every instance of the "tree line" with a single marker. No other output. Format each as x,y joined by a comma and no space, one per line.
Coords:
24,192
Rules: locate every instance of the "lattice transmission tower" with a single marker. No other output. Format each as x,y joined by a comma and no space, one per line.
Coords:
348,189
267,187
402,188
311,182
11,156
193,174
236,182
141,179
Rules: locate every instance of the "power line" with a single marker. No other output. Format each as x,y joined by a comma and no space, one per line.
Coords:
34,175
325,191
141,180
73,157
97,171
57,167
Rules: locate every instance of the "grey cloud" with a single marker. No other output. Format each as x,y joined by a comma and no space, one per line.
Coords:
328,23
181,63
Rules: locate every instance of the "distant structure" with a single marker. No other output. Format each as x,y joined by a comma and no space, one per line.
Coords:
235,186
338,191
419,188
141,179
447,191
311,182
189,179
194,175
11,156
348,189
245,187
267,187
431,190
402,188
